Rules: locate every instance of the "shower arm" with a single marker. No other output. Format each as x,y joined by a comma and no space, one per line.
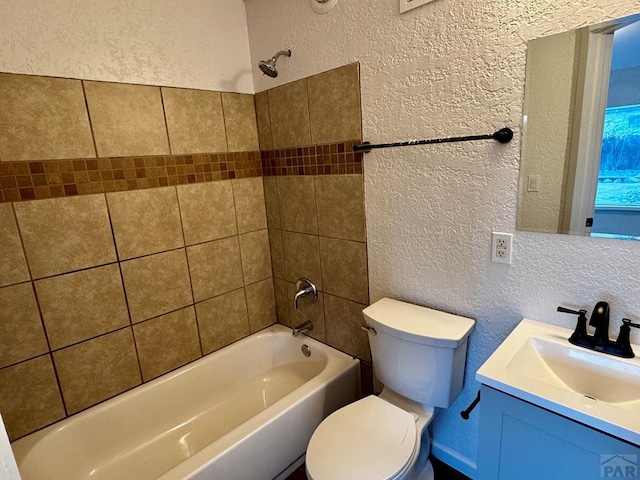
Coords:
286,53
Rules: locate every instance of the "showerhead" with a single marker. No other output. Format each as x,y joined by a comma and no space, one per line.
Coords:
268,67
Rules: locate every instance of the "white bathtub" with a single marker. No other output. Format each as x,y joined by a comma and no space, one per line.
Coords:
245,412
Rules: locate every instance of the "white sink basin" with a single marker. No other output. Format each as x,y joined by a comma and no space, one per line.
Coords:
538,364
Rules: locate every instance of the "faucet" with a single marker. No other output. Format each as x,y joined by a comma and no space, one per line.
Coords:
303,327
304,287
600,320
600,341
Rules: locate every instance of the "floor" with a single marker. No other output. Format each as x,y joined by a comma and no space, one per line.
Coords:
442,472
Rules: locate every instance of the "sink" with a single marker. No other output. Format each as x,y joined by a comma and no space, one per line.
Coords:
538,364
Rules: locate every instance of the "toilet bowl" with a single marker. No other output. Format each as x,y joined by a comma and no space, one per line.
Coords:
419,355
348,443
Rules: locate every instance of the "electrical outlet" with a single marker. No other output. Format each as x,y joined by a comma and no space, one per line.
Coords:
501,246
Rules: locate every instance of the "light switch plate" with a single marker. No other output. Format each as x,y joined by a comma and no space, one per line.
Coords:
406,5
533,183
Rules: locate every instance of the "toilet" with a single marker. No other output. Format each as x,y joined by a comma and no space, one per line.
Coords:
419,355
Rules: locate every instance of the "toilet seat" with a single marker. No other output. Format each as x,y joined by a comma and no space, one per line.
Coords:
370,439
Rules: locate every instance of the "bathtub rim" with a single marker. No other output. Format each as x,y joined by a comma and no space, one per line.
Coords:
337,363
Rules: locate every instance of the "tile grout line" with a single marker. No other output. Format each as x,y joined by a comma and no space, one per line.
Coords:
122,283
86,105
235,211
224,122
269,112
166,123
186,255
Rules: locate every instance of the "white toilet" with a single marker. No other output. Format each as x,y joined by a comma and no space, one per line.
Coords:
419,355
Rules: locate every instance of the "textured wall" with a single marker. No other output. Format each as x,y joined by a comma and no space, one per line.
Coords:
198,44
452,68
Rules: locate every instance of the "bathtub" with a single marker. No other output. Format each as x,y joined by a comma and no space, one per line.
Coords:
245,412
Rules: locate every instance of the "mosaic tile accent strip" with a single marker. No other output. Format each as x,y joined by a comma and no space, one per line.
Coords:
65,178
331,159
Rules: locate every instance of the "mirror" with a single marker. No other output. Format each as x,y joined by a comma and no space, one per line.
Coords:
580,161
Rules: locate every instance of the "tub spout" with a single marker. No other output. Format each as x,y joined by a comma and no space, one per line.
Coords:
303,327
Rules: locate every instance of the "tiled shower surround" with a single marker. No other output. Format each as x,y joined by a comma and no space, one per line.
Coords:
102,292
159,251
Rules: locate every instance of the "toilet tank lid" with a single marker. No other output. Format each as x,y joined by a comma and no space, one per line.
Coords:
419,324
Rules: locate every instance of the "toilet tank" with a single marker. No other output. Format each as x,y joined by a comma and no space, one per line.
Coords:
418,352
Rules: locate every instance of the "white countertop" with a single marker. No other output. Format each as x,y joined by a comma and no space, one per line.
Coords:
536,363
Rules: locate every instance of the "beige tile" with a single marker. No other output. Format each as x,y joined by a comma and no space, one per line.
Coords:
334,105
271,201
343,319
126,119
222,320
261,304
297,200
14,266
240,121
256,257
344,269
248,194
145,221
340,201
302,257
207,211
264,121
167,342
277,253
194,120
65,234
283,300
289,111
43,118
29,397
81,305
307,310
156,284
215,268
21,332
97,369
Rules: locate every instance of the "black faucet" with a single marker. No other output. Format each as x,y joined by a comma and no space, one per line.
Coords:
600,320
600,341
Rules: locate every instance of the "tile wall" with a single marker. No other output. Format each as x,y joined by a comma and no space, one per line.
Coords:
64,137
317,231
162,249
100,293
315,204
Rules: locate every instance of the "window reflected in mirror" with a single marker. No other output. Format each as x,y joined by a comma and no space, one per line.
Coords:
580,164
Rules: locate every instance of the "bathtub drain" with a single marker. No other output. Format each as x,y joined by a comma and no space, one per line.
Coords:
306,350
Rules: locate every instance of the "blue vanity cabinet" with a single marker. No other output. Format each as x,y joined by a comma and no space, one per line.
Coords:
520,441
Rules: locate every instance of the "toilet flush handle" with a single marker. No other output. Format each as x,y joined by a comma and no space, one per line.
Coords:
369,329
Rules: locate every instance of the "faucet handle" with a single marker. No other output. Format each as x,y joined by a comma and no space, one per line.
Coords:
573,312
623,343
579,335
305,287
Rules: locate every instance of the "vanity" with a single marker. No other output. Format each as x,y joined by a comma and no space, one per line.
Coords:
553,410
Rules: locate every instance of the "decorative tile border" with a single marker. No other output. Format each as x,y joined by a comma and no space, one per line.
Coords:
65,178
331,159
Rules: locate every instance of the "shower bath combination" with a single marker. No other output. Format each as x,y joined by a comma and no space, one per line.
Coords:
268,67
